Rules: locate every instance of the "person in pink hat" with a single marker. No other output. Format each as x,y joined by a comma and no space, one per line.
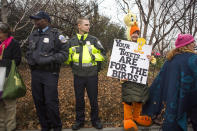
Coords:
174,90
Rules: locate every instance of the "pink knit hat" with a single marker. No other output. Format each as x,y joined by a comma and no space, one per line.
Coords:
183,40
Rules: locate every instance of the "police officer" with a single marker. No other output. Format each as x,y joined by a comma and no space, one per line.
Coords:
46,51
85,55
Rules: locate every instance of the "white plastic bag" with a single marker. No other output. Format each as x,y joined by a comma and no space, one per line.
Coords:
2,77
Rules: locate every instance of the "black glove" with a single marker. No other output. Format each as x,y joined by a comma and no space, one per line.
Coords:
43,60
99,65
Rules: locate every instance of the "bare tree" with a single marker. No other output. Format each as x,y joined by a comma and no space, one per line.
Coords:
21,10
159,19
26,8
172,15
4,11
189,22
64,14
145,17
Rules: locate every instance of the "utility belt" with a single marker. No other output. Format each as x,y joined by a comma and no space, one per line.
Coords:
84,64
53,67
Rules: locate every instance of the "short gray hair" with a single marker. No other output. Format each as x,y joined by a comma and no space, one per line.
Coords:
5,28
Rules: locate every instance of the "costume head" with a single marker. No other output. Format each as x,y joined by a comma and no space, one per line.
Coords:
131,22
183,40
130,19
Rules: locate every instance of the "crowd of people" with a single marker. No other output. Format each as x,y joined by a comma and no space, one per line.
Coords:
174,88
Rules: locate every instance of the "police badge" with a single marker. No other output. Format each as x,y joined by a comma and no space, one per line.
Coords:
88,43
46,40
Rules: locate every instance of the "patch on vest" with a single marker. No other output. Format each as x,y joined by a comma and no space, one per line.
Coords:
62,39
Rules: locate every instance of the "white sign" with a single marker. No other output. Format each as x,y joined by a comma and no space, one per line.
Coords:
129,60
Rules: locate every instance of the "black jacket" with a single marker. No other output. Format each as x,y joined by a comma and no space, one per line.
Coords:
46,51
134,92
12,52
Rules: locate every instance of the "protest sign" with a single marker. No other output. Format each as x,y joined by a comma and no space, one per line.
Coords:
129,60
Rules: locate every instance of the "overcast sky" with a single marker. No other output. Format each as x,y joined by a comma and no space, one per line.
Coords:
111,9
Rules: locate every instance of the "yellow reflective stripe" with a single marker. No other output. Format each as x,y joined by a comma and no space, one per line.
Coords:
95,50
75,57
86,55
68,60
72,52
97,54
79,36
84,64
99,57
86,58
69,56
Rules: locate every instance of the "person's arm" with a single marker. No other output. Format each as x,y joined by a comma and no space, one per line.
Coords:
100,47
152,59
123,80
192,63
29,48
17,53
69,50
102,55
61,52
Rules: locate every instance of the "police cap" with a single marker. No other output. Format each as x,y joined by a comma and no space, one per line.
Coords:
41,15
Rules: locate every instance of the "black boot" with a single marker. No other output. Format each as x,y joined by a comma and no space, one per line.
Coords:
57,129
97,125
77,125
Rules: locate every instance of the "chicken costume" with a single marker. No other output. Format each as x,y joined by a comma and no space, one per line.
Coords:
134,94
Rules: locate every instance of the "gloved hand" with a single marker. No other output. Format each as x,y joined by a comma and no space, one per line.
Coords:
99,66
59,58
123,80
42,60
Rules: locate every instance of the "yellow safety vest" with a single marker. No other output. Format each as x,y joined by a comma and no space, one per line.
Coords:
89,51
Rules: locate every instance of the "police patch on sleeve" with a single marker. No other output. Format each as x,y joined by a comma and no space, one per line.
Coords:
62,39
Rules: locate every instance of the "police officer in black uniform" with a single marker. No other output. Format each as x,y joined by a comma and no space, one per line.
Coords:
46,51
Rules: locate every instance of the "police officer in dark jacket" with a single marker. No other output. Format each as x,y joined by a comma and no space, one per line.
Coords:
46,51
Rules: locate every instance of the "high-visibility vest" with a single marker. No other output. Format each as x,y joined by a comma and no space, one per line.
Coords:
90,54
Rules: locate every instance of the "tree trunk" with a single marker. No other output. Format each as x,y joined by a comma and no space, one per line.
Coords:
4,11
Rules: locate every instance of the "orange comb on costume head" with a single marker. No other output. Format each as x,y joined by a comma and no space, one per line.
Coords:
134,29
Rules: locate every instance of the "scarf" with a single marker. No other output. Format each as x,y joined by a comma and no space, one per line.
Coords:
5,43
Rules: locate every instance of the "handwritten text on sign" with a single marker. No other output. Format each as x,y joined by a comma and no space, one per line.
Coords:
129,61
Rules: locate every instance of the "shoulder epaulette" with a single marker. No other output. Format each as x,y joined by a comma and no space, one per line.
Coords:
55,30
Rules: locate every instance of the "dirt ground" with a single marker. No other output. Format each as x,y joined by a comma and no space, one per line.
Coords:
109,99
